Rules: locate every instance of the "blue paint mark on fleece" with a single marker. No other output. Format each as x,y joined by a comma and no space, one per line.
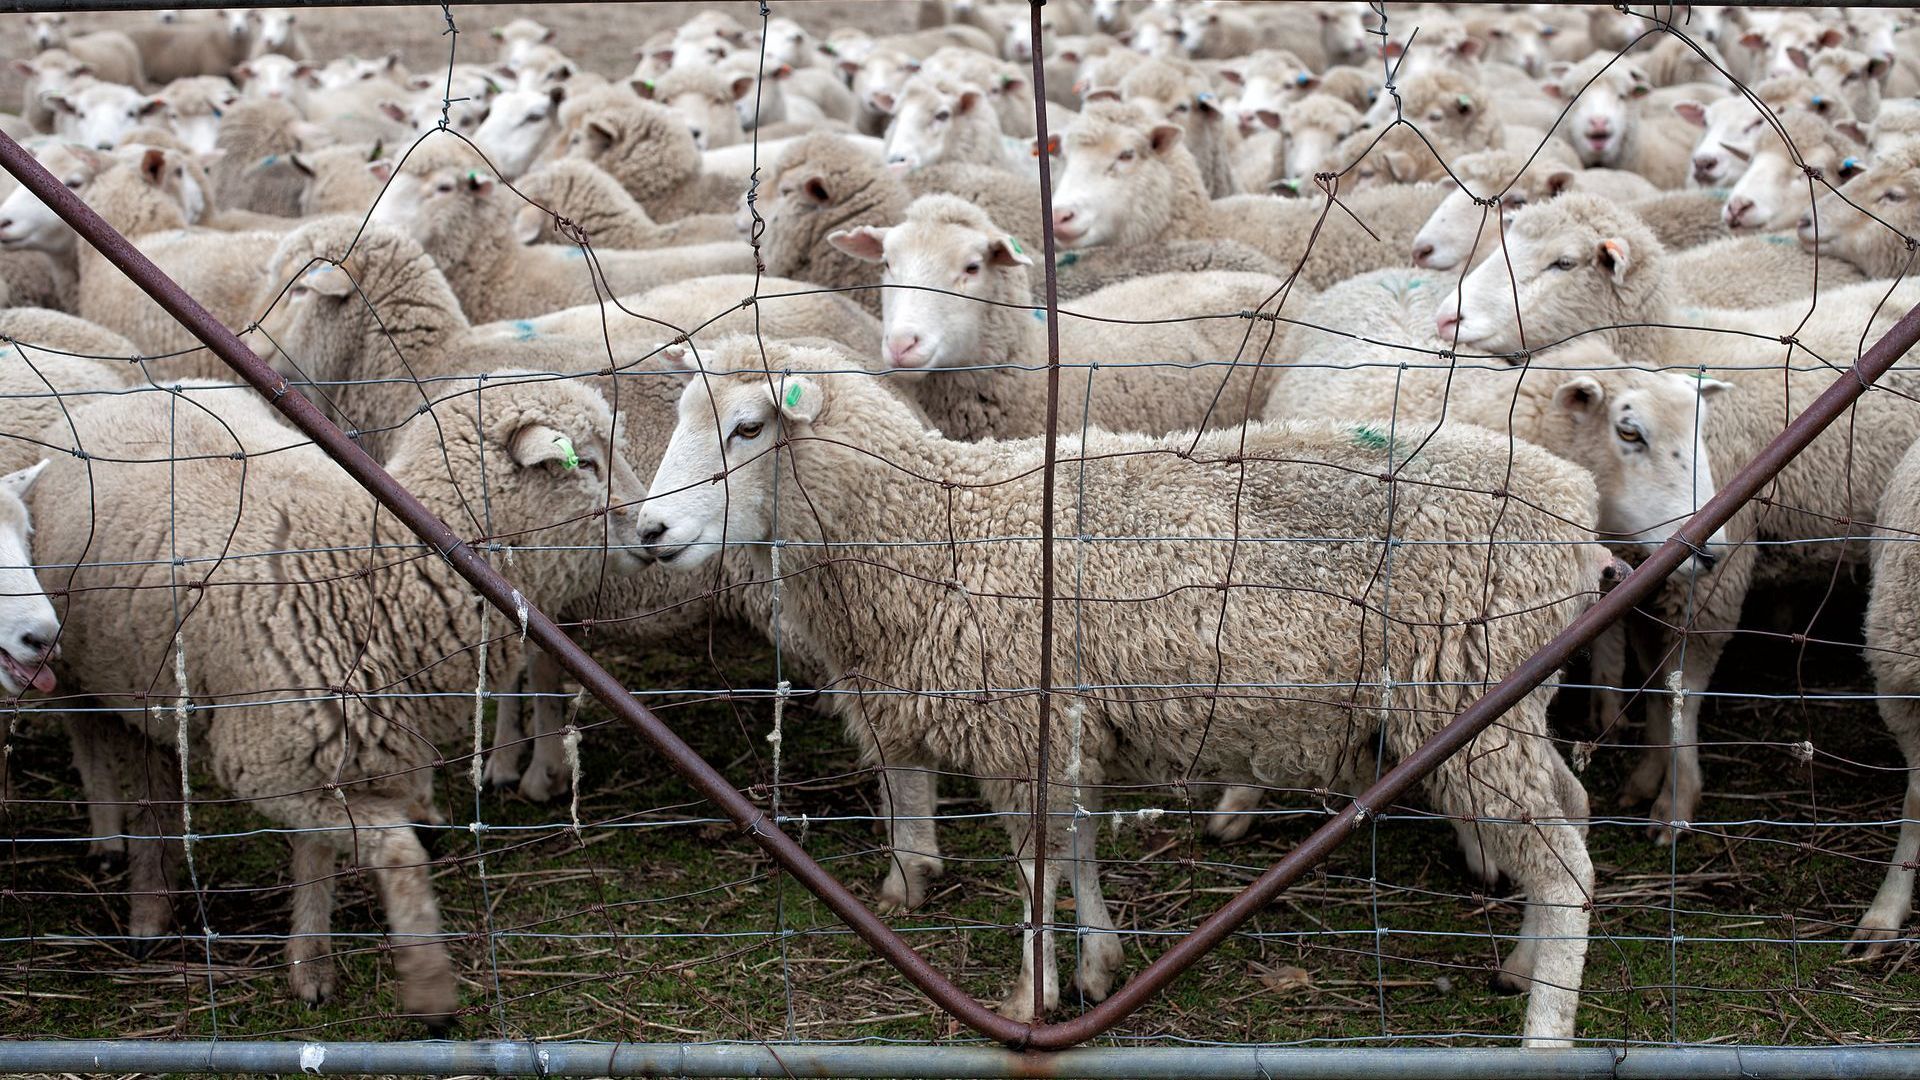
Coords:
524,331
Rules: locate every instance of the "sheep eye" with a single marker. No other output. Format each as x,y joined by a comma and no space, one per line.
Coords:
533,117
1127,155
748,430
973,268
75,182
589,465
942,116
1628,433
1180,108
1562,263
443,187
1893,195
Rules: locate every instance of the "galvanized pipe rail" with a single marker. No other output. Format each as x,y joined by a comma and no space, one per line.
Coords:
496,589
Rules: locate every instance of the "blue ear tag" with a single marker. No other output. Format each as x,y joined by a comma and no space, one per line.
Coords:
1302,79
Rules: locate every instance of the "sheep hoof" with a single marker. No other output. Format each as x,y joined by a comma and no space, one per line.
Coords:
540,785
502,772
313,982
1094,986
140,948
1506,983
1873,941
1229,827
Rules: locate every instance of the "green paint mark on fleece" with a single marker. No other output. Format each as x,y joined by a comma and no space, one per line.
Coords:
1370,437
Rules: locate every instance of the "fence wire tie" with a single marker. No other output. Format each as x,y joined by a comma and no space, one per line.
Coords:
475,766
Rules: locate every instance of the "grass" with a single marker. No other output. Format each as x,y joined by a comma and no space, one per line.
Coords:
656,923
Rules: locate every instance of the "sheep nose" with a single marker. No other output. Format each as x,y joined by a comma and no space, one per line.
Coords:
1704,167
1422,253
1599,125
651,534
1063,222
39,643
1737,210
900,348
1447,325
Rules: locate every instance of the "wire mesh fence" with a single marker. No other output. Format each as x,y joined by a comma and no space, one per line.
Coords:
759,418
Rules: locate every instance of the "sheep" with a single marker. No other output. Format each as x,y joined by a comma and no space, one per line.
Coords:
1267,80
1897,122
939,121
1683,219
958,297
1310,129
530,428
704,99
29,629
1129,183
1177,93
517,37
449,205
648,150
1775,190
595,202
340,179
195,108
273,78
1212,32
1749,271
849,437
1867,222
787,42
822,183
519,125
278,34
47,75
1461,232
257,169
108,55
1585,266
170,51
1889,639
1619,120
1006,86
94,113
1766,51
1730,122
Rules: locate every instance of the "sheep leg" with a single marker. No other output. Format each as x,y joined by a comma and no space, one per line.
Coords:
1608,660
503,761
1100,950
1480,864
1894,902
153,775
1679,798
94,739
1018,1004
309,949
379,836
907,802
547,774
1649,774
1233,815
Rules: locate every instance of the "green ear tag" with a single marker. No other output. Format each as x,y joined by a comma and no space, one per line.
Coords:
572,460
793,395
1015,245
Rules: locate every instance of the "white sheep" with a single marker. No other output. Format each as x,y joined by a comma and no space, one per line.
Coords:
519,126
1891,635
544,453
1775,191
1586,266
846,440
1462,232
97,114
178,50
598,206
108,54
938,121
1866,223
1620,121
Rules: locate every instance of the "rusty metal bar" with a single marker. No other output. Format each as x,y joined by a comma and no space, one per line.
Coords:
1042,905
710,784
29,6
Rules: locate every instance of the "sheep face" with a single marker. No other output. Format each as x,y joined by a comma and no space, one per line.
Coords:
880,79
315,328
1343,33
436,207
48,28
1857,77
239,22
1772,49
29,631
1574,268
1731,126
272,78
194,109
1309,136
518,126
714,485
1642,434
937,273
788,43
517,37
571,485
1889,190
1156,33
1269,80
931,119
99,114
709,118
1461,233
26,223
1775,191
1117,184
276,29
1601,121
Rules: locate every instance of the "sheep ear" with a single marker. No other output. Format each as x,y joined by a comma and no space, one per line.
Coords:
1692,112
884,102
1877,68
243,72
642,88
1852,131
800,399
25,67
1798,56
1753,39
153,166
969,99
1832,37
1740,152
1616,258
1469,48
1233,76
17,484
328,280
1163,138
1558,183
677,356
58,103
557,93
742,86
479,183
381,170
547,35
1268,117
539,444
1581,397
294,159
528,223
1712,388
1006,251
815,190
866,243
393,111
600,136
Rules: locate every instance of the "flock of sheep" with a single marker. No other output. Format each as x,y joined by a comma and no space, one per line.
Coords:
1574,287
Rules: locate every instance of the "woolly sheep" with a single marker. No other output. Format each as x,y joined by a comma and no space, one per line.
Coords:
848,438
822,183
258,168
170,51
338,178
704,99
584,194
109,55
195,108
938,121
29,629
1729,124
273,78
279,35
263,752
458,213
516,37
1620,121
1749,271
1616,285
94,113
519,126
646,148
1131,184
958,296
1890,638
1775,191
47,75
1683,219
1461,232
1889,191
